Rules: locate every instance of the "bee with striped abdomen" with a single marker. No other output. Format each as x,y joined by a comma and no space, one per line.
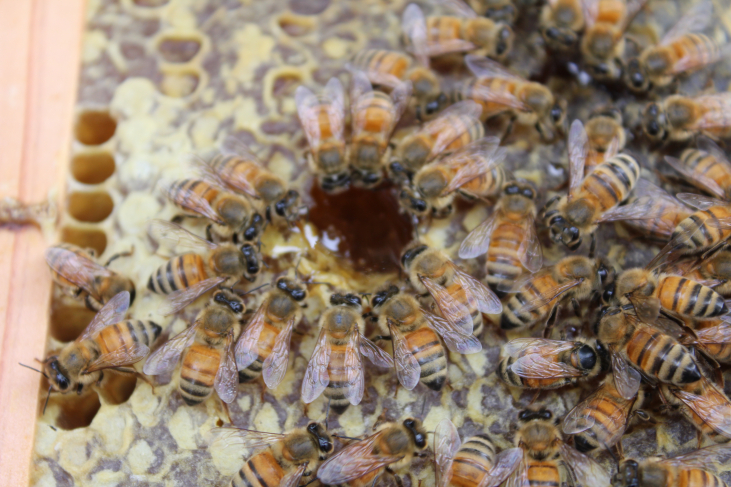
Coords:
418,353
336,366
474,463
460,297
707,168
264,345
75,270
502,11
699,468
283,459
571,217
323,120
538,363
474,171
561,22
374,115
683,49
606,136
714,337
206,265
208,362
109,343
508,236
390,449
535,296
680,118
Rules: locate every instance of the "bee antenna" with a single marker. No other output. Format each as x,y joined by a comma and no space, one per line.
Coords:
366,296
32,368
611,453
48,396
346,437
423,405
250,290
327,415
308,483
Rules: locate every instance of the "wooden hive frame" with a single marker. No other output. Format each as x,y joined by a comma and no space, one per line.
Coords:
39,69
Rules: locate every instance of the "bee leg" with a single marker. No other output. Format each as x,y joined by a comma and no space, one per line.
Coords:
551,321
177,219
508,129
228,413
592,246
577,307
535,397
120,254
209,236
699,438
92,303
131,371
620,450
376,480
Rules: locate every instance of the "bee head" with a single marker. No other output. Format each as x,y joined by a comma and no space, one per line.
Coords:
286,206
321,437
534,415
335,182
417,431
560,39
292,288
410,254
627,475
413,203
56,375
635,76
348,299
251,259
384,295
654,122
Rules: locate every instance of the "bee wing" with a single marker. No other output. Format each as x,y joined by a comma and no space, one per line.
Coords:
626,378
183,297
519,477
512,287
715,414
247,347
166,357
580,418
190,201
227,437
698,201
177,239
546,298
707,184
316,376
306,101
707,145
505,464
235,147
718,334
472,161
538,366
360,89
413,24
458,7
354,461
709,458
721,103
694,20
353,364
477,242
77,269
587,471
483,67
453,336
383,79
227,377
335,92
451,309
578,148
446,46
543,346
111,313
376,355
408,370
275,365
612,149
292,479
126,355
501,97
590,8
487,301
446,444
400,97
530,252
443,126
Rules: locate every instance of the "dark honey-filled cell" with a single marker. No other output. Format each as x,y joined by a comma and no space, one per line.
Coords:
363,226
75,411
285,84
295,25
85,238
179,84
308,7
67,322
178,50
92,167
94,127
91,207
150,3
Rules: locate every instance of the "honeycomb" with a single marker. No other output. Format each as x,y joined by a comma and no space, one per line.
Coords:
164,81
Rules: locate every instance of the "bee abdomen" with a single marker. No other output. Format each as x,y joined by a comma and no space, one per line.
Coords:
252,372
690,298
661,356
198,373
429,352
603,413
612,181
180,272
125,333
694,477
543,474
261,470
337,390
503,262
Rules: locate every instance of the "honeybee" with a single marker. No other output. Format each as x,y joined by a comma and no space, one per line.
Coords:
283,459
638,349
589,198
323,120
544,452
390,449
414,331
454,128
74,269
703,404
679,118
606,137
683,49
499,91
699,468
535,296
466,32
109,343
264,345
374,116
538,363
600,420
706,168
230,214
715,339
474,171
561,22
460,297
335,366
473,463
602,44
503,11
238,168
187,276
209,361
15,212
508,236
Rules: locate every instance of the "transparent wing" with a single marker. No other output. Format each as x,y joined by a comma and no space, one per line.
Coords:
700,179
709,458
234,147
612,149
413,24
709,146
587,471
458,7
549,296
486,300
483,67
530,251
443,126
181,298
446,46
535,366
76,268
408,370
477,242
400,97
316,376
580,418
626,378
335,93
519,478
451,309
500,97
383,79
716,117
275,365
293,478
111,313
505,464
247,347
177,239
695,19
590,8
353,364
227,377
578,148
472,161
720,334
190,201
360,86
713,407
306,103
446,444
453,336
120,357
699,202
228,437
376,355
166,357
542,346
511,287
354,461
